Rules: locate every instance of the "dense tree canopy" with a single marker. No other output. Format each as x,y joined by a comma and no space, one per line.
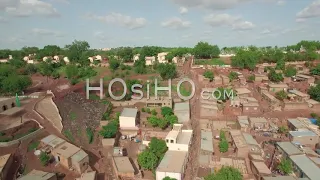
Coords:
126,54
226,173
314,92
204,50
245,59
290,71
209,74
167,70
274,76
315,70
285,166
77,52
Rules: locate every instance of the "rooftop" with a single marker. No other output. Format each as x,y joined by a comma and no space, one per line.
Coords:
249,139
173,161
37,175
3,161
296,123
52,141
129,112
303,76
80,155
88,176
261,167
307,166
66,150
278,85
184,137
206,141
257,120
123,164
108,142
298,93
242,91
302,133
289,148
182,106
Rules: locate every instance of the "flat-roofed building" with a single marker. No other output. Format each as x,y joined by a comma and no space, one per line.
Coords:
5,163
172,165
88,176
309,79
38,175
260,169
243,122
123,167
244,143
182,111
178,139
277,87
243,92
287,149
260,78
304,137
256,157
128,118
150,60
251,108
258,123
304,167
300,95
295,124
207,142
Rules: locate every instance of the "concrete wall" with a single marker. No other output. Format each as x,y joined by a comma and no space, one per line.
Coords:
31,135
127,122
7,104
287,106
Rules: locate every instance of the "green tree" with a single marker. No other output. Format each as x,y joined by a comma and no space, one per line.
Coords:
169,178
51,50
163,123
148,160
246,59
233,75
167,70
281,64
158,147
209,75
283,129
15,84
274,76
290,71
18,63
154,112
285,166
223,146
110,130
251,78
154,121
126,54
44,158
314,92
114,64
315,70
222,135
72,71
76,52
140,66
46,69
204,50
281,95
31,69
166,111
172,119
225,173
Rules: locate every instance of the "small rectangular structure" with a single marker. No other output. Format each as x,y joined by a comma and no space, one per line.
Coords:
260,78
182,111
123,167
108,142
52,141
207,142
39,175
300,95
173,165
260,169
307,78
244,143
243,92
243,122
250,108
5,163
255,157
128,118
304,167
88,176
277,87
288,149
295,124
304,137
258,123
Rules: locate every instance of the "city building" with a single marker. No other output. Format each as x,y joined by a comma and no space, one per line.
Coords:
162,57
243,92
150,60
302,77
243,122
7,103
159,102
172,165
128,118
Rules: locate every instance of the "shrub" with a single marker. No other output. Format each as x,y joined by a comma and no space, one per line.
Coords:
90,135
44,158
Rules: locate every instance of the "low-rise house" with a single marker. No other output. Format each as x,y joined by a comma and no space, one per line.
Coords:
259,123
244,143
172,165
136,57
243,92
179,139
162,57
250,108
260,78
260,169
150,60
182,111
67,154
159,102
302,77
295,124
277,87
88,176
123,167
56,58
128,118
5,164
217,80
26,58
207,142
304,137
287,149
304,167
300,96
39,175
243,122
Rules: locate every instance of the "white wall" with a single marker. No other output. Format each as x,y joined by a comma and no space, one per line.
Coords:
161,175
172,147
127,122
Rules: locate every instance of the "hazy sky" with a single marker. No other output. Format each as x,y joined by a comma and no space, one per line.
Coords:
112,23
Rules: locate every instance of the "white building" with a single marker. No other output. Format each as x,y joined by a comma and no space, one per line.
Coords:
98,58
173,165
136,57
66,60
162,57
128,118
26,58
56,58
150,60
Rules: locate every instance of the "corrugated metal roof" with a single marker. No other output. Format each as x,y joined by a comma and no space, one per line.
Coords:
296,123
307,166
207,141
249,139
289,148
302,133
